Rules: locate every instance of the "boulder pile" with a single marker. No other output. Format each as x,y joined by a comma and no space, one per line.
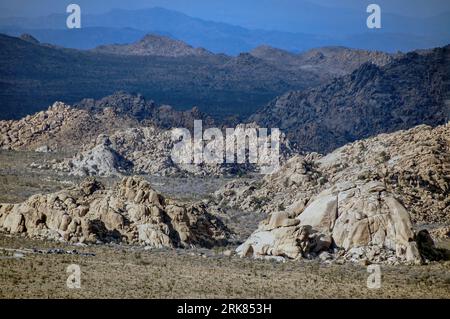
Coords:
131,212
355,221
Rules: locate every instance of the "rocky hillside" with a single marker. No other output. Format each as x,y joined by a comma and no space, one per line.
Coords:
35,75
410,90
147,111
147,150
326,62
413,165
366,201
63,127
119,134
153,45
131,212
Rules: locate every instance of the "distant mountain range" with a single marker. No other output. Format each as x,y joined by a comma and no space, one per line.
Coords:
34,75
411,90
343,29
153,45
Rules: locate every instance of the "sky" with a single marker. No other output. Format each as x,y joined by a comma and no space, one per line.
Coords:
205,8
253,14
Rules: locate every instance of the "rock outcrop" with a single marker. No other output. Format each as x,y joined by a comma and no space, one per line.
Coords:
68,128
148,150
61,127
101,160
413,164
131,212
361,219
368,200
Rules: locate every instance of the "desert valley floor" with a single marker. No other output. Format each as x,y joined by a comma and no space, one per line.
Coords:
37,269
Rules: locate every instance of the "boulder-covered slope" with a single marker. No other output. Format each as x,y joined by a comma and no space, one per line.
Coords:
131,212
375,200
65,127
410,90
413,164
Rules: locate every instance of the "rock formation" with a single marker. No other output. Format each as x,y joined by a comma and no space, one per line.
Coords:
61,127
68,128
101,160
131,212
364,201
407,92
148,150
357,218
413,164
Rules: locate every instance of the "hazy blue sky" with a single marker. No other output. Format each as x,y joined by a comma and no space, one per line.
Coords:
418,8
267,14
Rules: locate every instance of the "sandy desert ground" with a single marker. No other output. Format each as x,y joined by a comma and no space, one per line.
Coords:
132,272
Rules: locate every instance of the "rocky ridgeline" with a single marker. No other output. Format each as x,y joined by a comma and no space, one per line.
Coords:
131,212
410,90
325,62
61,127
66,128
153,45
363,199
146,150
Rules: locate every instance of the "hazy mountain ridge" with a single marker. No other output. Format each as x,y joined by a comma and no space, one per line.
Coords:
153,45
329,61
409,91
126,26
36,75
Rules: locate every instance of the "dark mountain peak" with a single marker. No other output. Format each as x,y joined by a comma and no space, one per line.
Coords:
154,45
122,103
29,38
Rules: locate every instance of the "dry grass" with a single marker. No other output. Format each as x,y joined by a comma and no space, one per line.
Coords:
127,272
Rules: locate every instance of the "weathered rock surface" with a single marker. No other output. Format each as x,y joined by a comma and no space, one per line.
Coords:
131,212
148,150
65,128
347,216
413,164
101,160
360,202
61,127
